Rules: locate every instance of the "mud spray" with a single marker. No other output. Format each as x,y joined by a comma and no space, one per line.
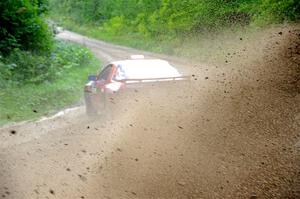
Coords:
230,132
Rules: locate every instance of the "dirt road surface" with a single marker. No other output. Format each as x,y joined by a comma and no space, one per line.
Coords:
233,131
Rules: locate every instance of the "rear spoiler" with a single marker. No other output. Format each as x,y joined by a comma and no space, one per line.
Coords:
164,79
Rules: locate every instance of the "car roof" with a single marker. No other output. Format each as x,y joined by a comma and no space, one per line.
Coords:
146,68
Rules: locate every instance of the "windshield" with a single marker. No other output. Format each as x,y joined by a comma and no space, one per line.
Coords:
105,73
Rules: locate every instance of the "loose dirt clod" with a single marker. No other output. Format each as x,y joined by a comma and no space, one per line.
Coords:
133,193
181,183
52,192
83,178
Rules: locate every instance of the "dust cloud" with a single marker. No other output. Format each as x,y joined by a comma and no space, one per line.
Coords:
228,132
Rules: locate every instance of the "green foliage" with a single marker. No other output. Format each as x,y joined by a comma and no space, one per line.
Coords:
35,71
115,25
156,18
275,11
26,67
21,26
23,99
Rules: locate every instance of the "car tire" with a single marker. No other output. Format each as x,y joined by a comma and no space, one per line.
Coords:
90,109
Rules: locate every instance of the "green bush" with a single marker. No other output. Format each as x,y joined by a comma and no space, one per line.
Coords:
21,67
28,99
28,67
67,55
264,12
22,26
115,26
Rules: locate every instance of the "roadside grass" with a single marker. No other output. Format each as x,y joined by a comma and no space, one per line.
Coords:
32,100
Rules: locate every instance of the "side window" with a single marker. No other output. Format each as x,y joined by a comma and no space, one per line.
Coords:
105,73
120,73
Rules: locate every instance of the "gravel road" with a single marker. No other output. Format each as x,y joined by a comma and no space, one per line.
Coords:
233,131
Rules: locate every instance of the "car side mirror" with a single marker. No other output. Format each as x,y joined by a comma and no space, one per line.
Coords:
92,78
